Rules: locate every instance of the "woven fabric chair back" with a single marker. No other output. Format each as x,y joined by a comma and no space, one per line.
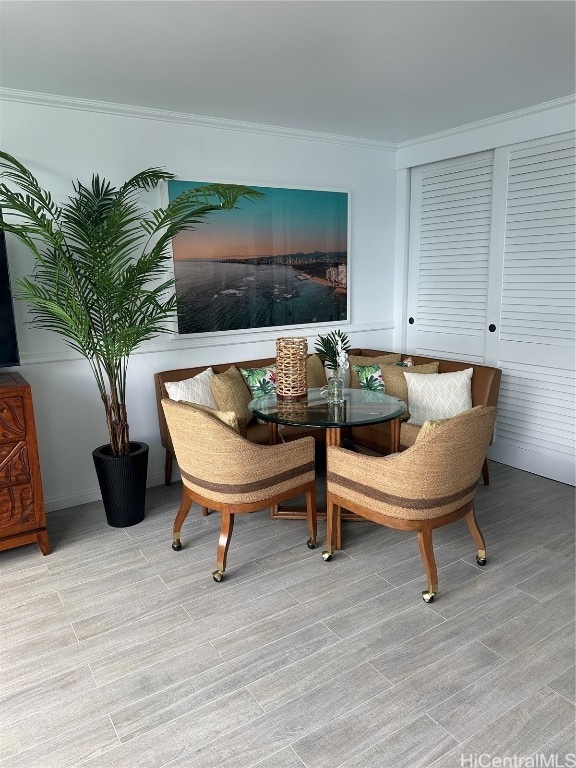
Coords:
435,476
218,463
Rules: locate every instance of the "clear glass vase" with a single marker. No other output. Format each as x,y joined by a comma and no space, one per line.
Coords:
336,386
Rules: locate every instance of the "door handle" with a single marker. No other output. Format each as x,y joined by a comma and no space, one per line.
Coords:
411,320
491,327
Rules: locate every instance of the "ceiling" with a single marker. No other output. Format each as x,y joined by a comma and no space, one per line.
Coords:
382,70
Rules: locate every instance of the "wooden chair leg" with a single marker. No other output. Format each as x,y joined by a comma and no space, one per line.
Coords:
429,561
330,529
168,468
181,515
312,519
485,473
472,524
226,528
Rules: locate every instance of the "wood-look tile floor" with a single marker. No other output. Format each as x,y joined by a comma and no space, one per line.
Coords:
116,652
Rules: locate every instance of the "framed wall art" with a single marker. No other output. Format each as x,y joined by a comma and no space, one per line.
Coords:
278,261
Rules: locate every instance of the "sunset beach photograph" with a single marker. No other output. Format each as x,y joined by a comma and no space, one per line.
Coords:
279,260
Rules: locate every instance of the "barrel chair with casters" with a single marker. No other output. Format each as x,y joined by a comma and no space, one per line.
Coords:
428,485
223,471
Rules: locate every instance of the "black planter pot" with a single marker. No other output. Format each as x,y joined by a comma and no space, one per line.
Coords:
122,481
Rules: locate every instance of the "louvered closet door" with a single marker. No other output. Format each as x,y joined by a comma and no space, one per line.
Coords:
534,342
450,228
491,279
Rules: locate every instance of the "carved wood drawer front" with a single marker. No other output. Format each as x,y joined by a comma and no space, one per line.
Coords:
22,517
12,420
17,508
14,464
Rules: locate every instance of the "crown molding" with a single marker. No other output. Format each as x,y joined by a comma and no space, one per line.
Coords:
490,121
201,121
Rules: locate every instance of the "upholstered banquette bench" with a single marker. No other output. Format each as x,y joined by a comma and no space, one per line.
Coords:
232,393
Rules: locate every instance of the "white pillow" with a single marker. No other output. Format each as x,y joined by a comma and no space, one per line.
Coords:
195,390
433,396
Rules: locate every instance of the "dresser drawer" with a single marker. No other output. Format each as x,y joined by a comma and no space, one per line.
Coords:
12,419
22,517
14,464
17,509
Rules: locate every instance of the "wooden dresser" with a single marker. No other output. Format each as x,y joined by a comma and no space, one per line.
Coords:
22,516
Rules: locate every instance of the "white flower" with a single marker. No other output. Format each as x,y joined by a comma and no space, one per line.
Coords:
341,356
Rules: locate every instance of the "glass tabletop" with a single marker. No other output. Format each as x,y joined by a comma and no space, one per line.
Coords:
359,407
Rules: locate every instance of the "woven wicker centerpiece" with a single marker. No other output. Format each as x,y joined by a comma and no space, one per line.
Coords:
291,357
293,409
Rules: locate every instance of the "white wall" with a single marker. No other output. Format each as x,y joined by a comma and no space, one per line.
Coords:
59,143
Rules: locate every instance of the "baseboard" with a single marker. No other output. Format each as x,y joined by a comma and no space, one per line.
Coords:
90,495
545,465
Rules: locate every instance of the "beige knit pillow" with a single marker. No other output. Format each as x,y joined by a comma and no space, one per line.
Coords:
428,426
431,424
315,373
395,382
367,360
226,417
232,393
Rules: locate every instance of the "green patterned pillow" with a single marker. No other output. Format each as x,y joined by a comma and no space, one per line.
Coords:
386,360
370,377
261,381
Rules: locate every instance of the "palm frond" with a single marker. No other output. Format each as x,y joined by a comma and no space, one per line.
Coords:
326,347
100,277
12,170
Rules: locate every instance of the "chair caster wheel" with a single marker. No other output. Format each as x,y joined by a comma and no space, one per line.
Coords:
428,596
481,560
176,545
327,556
218,576
311,543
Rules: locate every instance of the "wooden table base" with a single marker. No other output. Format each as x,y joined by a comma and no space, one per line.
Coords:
333,437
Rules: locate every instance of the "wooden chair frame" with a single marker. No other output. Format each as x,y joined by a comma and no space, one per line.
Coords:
424,529
228,511
429,485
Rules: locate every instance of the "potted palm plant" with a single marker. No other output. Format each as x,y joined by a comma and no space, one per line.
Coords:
100,281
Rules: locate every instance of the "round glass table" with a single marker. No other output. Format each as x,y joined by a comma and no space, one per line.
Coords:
359,407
